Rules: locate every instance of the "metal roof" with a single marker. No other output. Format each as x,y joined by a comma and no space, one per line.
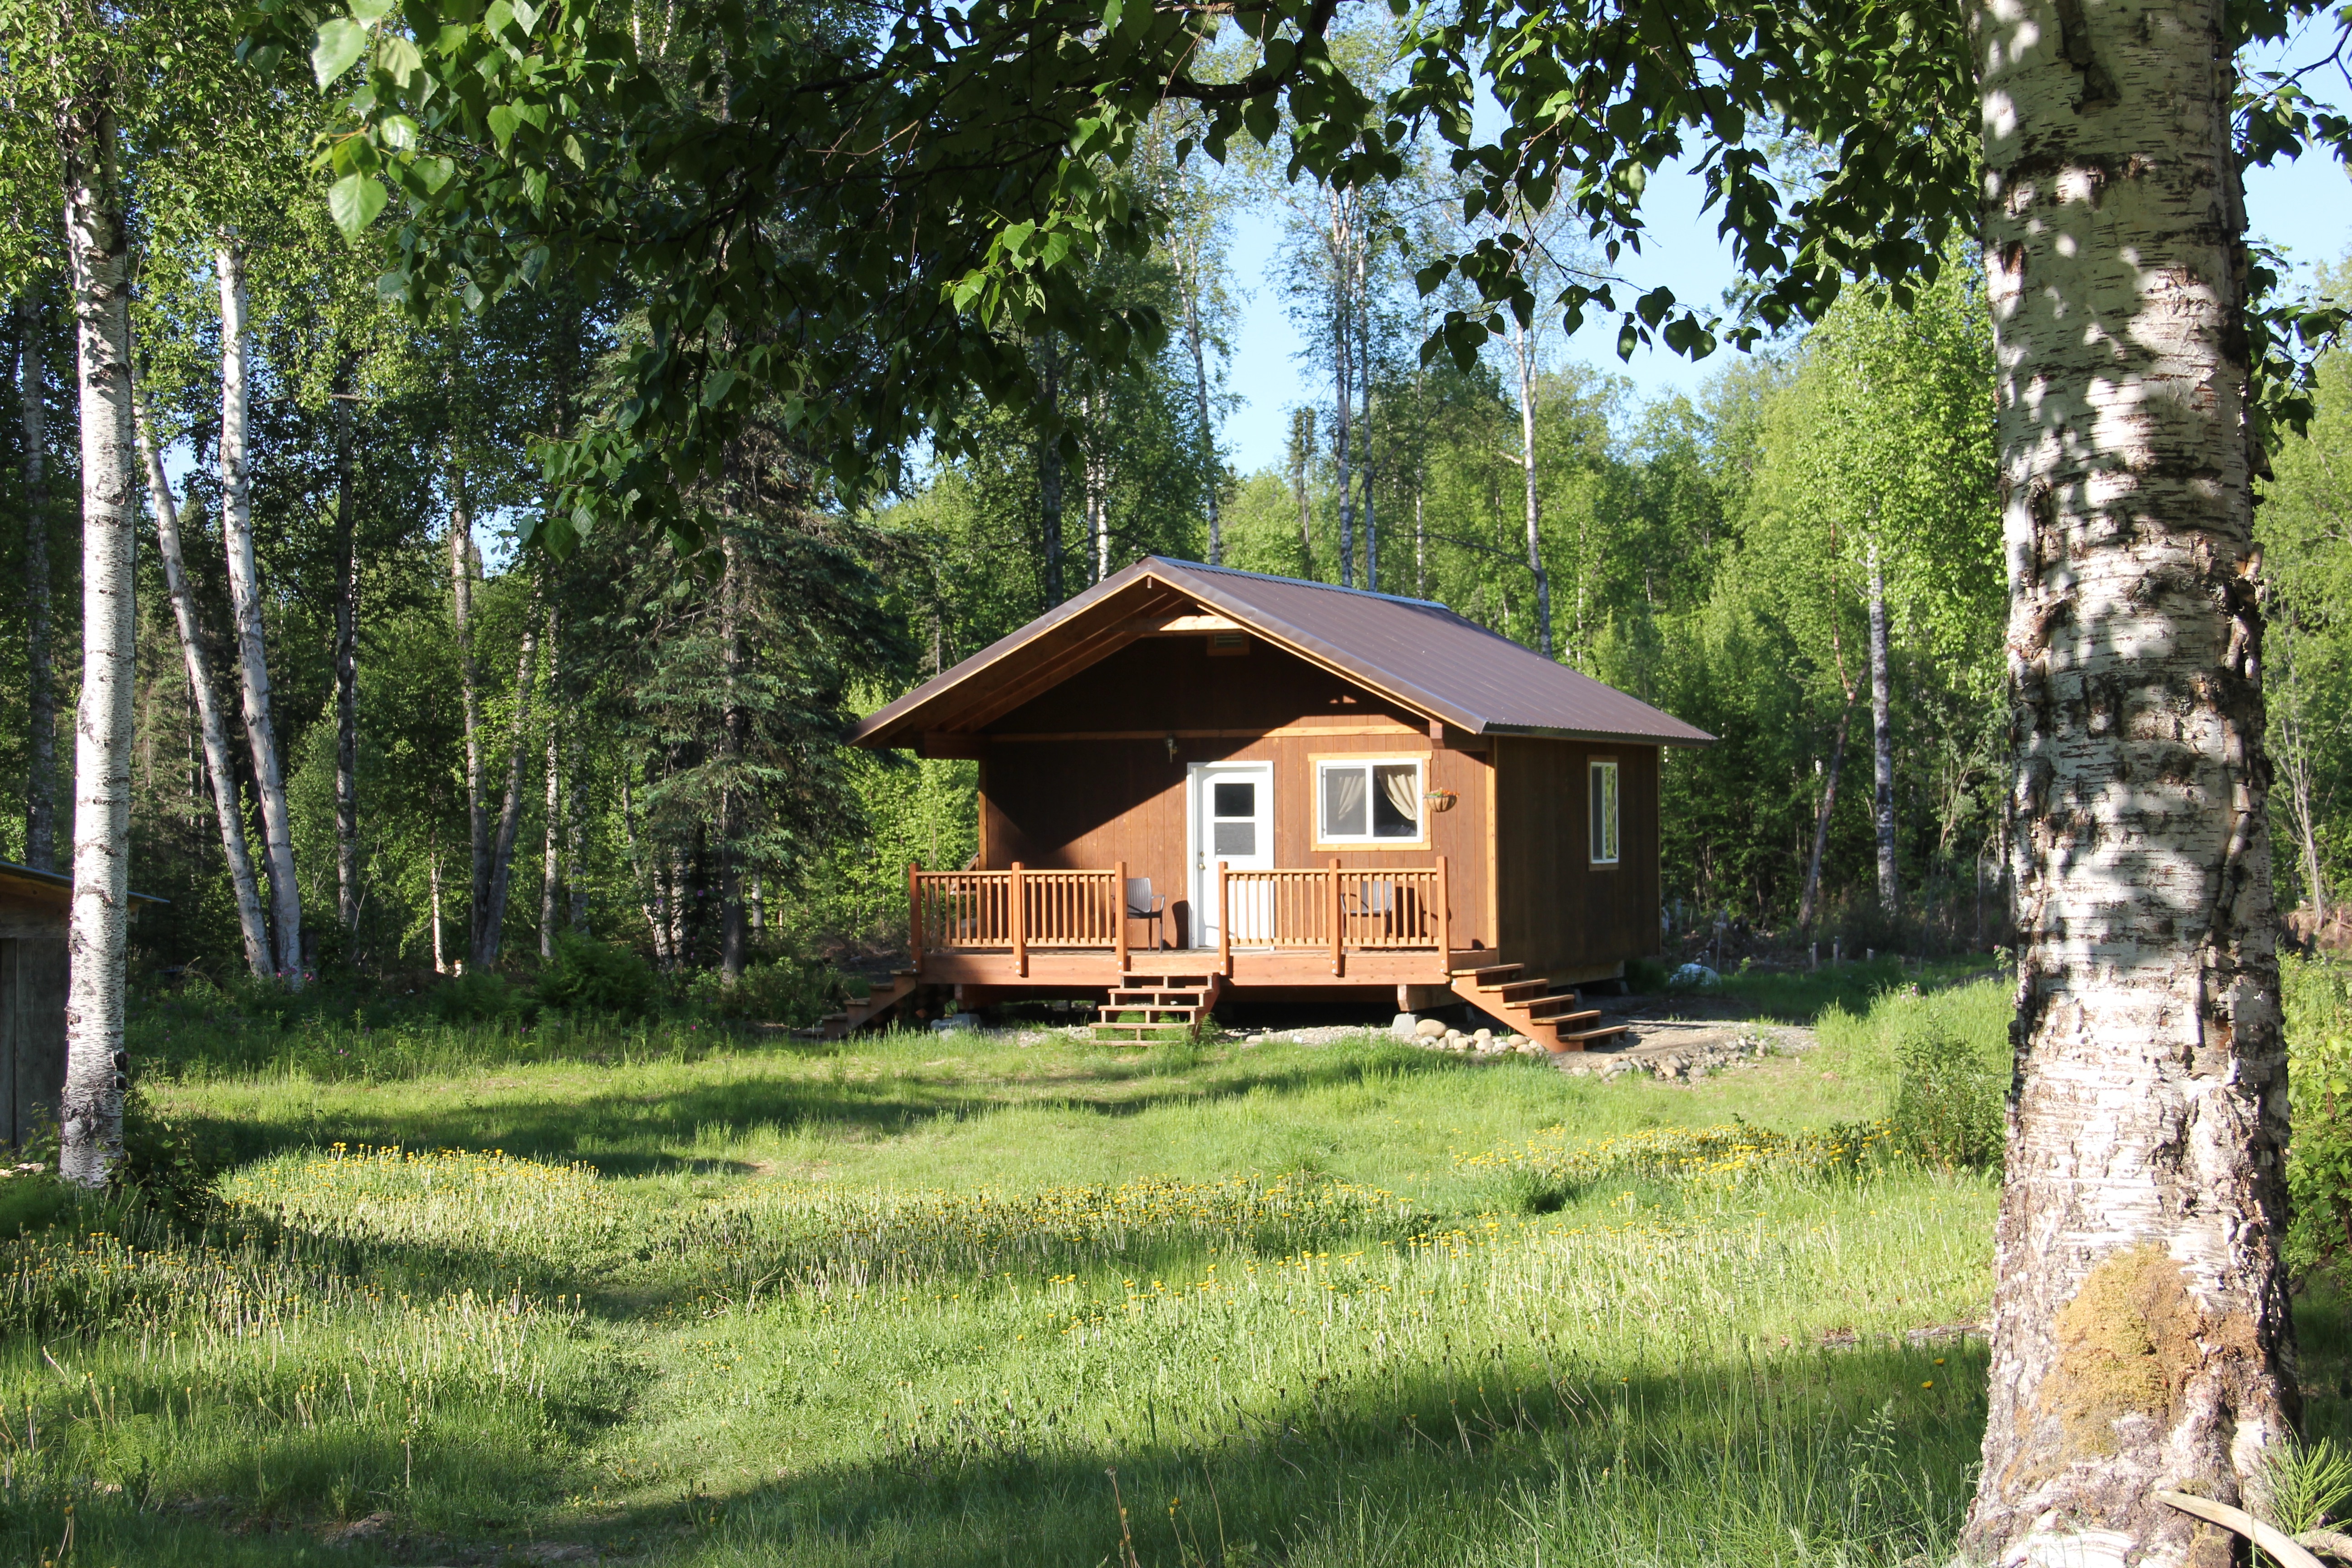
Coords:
1418,653
52,881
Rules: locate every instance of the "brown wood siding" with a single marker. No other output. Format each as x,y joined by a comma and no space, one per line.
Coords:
32,1033
1071,802
1556,909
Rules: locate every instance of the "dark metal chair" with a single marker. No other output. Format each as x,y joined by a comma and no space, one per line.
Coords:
1143,905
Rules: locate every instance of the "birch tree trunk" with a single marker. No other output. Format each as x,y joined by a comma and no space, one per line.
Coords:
40,656
1881,739
1364,387
2294,762
1342,242
219,767
245,602
2141,1336
1189,283
433,875
1809,906
1302,461
730,726
347,675
1523,345
461,622
98,263
648,878
489,924
575,840
550,867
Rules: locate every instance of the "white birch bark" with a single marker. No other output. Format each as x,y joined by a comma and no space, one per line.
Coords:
347,675
251,922
489,923
1342,239
2140,1327
1882,736
40,651
1524,351
433,875
550,867
98,263
245,602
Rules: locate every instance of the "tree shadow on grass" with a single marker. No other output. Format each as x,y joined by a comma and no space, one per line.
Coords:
1860,1454
636,1132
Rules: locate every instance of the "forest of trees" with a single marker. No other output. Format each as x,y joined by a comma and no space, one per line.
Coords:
618,743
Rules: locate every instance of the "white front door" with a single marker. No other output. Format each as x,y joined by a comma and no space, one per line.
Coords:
1232,821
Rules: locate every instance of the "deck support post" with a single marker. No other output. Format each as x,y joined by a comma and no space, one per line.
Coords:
1119,912
915,915
1338,922
1016,916
1225,925
1444,923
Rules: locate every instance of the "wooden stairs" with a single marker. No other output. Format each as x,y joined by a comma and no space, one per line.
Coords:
1552,1016
904,985
1163,1000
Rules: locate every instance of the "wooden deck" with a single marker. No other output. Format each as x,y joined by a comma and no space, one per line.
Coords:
1304,926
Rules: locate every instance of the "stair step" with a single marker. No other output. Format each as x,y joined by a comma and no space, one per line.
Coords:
1553,1006
1572,1022
1494,976
1578,1039
1515,992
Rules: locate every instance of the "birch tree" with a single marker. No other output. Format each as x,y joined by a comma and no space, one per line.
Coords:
244,605
97,272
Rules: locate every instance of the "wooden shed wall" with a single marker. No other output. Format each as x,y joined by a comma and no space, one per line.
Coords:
1558,911
1072,795
32,1008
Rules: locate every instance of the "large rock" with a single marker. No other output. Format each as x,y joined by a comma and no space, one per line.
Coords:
1429,1029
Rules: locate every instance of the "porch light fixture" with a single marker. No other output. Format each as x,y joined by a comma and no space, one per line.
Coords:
1171,746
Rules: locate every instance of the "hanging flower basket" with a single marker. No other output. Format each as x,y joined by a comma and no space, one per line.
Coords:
1440,799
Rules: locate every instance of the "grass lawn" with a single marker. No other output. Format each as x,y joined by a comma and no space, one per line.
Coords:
925,1300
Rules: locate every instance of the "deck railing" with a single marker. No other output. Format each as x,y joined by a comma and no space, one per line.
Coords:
1338,909
1334,909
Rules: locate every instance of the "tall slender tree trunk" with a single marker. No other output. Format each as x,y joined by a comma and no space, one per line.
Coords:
1191,283
97,262
219,766
40,657
2294,765
1524,349
1809,905
489,926
575,837
550,867
2140,1329
461,622
730,805
1302,465
1342,383
433,875
1097,486
1881,739
646,874
1049,479
1364,384
347,670
245,602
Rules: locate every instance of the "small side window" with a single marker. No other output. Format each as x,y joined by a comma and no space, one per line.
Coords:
1602,792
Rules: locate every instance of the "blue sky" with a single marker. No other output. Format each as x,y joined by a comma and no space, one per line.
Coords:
2305,207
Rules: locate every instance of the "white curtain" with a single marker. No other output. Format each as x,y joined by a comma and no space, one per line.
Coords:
1402,786
1343,801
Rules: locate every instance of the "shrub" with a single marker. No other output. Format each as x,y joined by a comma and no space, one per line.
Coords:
480,999
2319,1156
1948,1098
591,976
787,991
1646,976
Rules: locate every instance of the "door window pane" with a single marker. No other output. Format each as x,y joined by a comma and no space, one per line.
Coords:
1234,839
1236,799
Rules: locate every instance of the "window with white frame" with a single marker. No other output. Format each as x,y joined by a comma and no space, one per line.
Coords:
1371,801
1602,794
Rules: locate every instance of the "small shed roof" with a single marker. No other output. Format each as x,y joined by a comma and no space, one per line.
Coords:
25,884
1418,653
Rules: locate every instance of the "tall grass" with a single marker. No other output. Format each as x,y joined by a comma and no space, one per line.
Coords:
919,1300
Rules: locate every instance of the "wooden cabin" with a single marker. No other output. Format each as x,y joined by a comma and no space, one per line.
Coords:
35,907
1197,783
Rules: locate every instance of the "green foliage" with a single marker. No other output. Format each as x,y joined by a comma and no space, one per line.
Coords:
785,991
1948,1096
589,977
2307,1483
2318,1010
479,998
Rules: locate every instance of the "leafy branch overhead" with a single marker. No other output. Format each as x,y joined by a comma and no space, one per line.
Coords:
861,218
